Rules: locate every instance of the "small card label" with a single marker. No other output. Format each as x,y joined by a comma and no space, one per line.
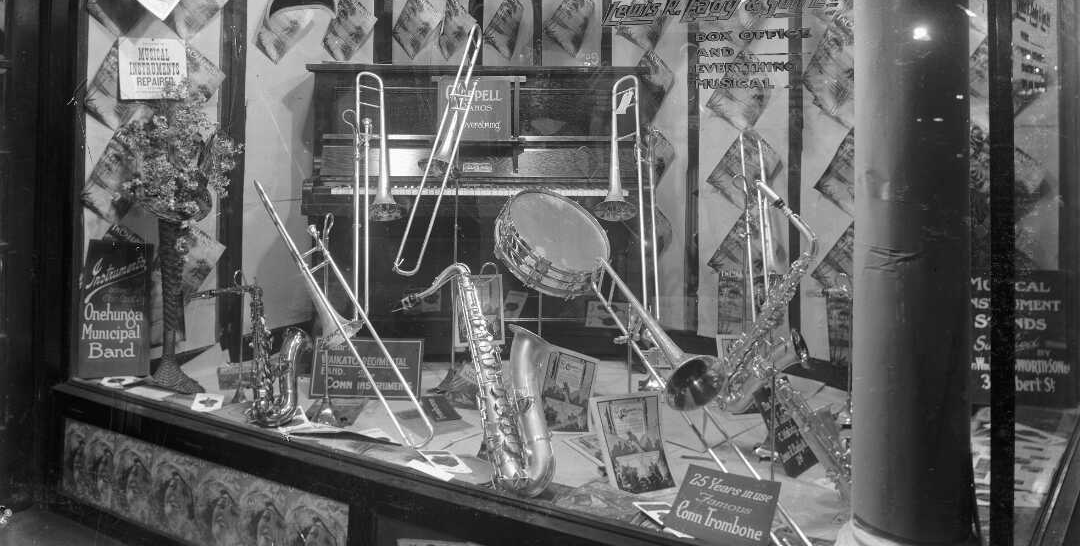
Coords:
721,508
446,461
791,448
205,401
438,408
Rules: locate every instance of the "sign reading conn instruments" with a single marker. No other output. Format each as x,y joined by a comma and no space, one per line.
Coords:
489,114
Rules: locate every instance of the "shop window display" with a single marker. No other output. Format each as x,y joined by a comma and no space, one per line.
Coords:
591,268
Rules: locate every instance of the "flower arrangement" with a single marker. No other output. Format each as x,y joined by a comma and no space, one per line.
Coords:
180,158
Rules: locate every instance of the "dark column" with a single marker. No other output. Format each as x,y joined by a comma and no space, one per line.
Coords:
911,449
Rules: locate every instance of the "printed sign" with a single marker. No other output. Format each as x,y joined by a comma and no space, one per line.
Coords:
114,317
721,508
567,386
489,115
791,448
1044,375
336,370
147,65
629,429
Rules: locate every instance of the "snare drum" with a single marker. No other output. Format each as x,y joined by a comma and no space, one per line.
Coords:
550,243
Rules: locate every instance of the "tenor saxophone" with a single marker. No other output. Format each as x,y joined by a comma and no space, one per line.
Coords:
514,428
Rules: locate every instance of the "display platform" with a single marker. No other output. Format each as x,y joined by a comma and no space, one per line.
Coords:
580,501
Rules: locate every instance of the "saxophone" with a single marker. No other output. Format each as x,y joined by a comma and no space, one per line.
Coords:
754,358
509,406
274,402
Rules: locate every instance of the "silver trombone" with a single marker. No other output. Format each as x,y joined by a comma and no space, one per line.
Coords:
655,334
625,94
445,146
383,208
344,330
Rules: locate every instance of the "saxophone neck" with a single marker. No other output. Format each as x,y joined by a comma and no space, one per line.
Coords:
450,273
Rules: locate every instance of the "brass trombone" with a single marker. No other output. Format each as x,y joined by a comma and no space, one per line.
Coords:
383,208
344,330
445,146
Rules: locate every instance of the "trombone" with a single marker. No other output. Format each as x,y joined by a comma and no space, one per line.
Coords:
615,207
445,146
383,208
344,330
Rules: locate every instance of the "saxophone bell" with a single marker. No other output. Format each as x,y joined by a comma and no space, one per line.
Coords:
513,423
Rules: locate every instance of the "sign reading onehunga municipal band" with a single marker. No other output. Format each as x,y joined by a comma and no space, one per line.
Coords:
114,304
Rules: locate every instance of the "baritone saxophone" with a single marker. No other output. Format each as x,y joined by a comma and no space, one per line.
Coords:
515,430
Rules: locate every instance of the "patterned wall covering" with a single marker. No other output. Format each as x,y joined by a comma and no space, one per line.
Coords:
189,499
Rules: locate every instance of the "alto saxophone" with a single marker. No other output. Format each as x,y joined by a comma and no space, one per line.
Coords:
514,428
274,402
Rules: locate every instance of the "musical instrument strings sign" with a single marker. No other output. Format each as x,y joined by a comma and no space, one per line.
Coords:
335,370
720,508
1044,374
489,115
148,65
114,317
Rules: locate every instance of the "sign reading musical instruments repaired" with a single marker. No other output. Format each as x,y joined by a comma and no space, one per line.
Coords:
335,368
489,114
720,508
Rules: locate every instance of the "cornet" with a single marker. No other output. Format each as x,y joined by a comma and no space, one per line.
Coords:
344,330
445,147
383,208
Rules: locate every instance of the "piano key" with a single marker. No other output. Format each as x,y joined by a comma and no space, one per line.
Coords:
500,190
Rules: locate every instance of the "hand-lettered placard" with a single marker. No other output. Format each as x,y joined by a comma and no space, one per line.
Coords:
721,508
1044,370
114,305
791,448
335,369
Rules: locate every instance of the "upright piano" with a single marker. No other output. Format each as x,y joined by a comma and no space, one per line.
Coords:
553,130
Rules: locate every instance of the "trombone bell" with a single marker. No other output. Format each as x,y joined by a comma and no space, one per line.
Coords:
693,384
614,207
383,207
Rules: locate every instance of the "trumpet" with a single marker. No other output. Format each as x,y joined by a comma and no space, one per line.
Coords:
383,208
445,147
344,330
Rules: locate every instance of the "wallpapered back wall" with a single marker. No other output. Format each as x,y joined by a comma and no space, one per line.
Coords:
807,72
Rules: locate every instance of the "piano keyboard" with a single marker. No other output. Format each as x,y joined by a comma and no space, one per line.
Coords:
494,190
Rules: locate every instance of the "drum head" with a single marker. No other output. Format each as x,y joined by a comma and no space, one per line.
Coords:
550,243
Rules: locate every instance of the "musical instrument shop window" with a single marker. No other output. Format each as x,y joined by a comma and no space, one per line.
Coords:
410,272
